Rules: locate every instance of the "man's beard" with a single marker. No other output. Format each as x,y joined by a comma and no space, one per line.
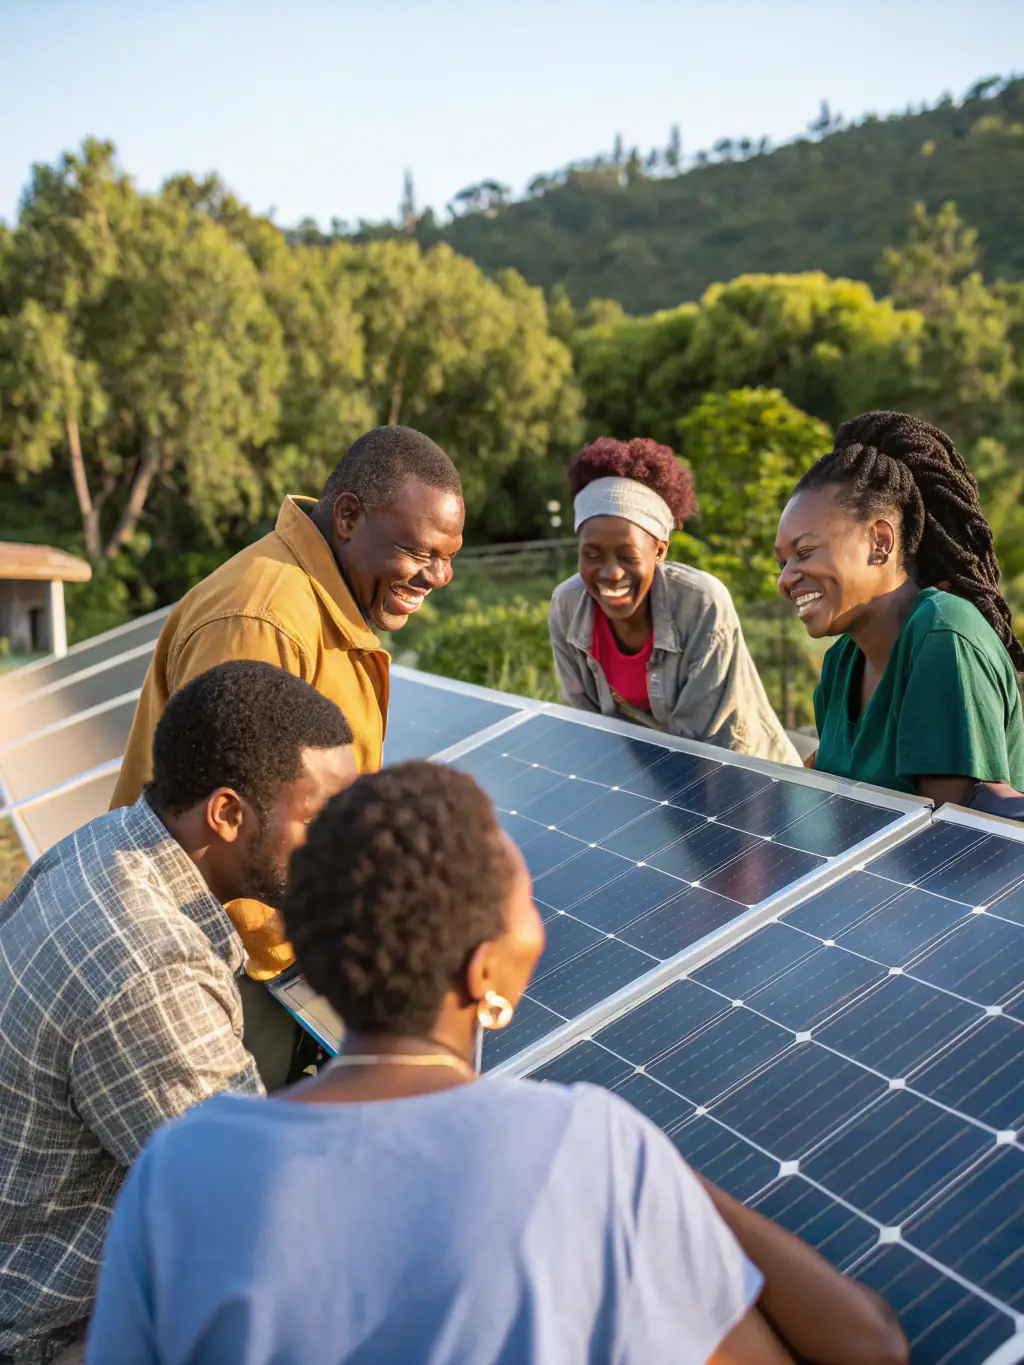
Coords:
264,878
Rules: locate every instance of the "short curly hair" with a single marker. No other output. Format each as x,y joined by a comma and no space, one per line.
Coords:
241,724
641,459
404,874
375,467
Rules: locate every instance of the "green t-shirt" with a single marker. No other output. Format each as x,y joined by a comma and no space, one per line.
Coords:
947,704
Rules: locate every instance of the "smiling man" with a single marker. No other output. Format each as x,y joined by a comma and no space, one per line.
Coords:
366,554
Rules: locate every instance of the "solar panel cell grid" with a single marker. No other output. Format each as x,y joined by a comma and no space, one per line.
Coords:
424,719
652,847
856,1071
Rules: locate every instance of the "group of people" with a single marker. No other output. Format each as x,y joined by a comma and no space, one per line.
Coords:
389,1207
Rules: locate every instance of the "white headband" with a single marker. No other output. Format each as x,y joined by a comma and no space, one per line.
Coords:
625,498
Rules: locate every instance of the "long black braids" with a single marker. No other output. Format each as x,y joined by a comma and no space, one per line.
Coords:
886,461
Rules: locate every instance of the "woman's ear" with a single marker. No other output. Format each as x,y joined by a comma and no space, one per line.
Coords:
883,541
661,551
478,975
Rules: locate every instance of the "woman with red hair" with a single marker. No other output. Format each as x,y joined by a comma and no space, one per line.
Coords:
650,641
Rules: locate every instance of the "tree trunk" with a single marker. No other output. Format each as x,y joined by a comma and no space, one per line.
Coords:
89,510
397,391
144,476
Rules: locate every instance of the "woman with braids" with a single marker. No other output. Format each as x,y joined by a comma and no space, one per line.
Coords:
395,1209
884,544
651,641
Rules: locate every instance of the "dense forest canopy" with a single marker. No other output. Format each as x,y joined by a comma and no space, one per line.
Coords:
653,230
172,364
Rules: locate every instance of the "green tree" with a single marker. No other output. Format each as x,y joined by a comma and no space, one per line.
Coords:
137,349
965,363
747,449
471,361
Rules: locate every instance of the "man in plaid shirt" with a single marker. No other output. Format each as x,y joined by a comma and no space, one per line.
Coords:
119,1007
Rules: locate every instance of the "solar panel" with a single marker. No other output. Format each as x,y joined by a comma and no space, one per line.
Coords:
95,653
427,715
855,1069
66,723
644,848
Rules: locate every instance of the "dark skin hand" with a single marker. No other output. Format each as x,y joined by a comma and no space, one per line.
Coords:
823,1317
846,577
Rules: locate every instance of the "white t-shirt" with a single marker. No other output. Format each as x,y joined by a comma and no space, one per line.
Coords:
495,1223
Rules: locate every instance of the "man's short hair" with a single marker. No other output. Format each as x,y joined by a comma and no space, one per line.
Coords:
375,467
242,725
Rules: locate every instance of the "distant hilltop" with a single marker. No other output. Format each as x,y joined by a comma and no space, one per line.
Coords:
653,230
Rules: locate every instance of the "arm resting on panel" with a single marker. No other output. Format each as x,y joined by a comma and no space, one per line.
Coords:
822,1316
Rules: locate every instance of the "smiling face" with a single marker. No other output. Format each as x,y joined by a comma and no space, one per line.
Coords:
833,566
393,556
617,563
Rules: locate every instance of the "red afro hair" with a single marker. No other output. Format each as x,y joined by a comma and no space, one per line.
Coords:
643,460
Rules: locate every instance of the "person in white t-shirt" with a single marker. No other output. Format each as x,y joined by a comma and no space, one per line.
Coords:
396,1208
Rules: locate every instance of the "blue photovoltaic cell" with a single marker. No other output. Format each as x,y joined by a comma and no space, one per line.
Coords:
720,1056
656,1102
841,1235
795,1102
897,1026
945,1323
896,1155
652,848
678,923
423,719
576,986
585,1062
903,929
977,1226
857,1073
842,905
979,1074
740,1169
762,958
981,960
909,863
566,939
823,984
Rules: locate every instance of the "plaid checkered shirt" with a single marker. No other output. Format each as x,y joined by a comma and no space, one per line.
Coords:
118,1010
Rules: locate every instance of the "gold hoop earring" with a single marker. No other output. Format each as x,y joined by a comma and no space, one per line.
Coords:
494,1011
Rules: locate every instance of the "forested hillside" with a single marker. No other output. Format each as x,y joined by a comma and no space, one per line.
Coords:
654,230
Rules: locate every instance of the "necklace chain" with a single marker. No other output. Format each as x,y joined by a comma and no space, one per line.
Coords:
401,1059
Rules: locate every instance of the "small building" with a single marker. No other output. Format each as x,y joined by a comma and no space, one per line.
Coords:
32,579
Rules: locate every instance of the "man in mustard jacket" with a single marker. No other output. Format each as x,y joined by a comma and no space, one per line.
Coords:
381,537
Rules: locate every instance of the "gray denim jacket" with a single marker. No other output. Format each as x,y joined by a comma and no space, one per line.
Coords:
701,680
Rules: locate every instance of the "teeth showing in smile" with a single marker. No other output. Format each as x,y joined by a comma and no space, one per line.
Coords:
804,601
614,594
410,597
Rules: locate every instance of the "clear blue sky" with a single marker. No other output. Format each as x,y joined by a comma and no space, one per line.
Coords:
316,107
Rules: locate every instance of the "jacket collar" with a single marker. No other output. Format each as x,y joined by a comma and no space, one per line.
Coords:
313,555
666,631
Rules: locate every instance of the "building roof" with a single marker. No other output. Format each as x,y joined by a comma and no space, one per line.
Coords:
41,562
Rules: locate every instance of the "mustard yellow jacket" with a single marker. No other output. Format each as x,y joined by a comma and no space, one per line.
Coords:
282,600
